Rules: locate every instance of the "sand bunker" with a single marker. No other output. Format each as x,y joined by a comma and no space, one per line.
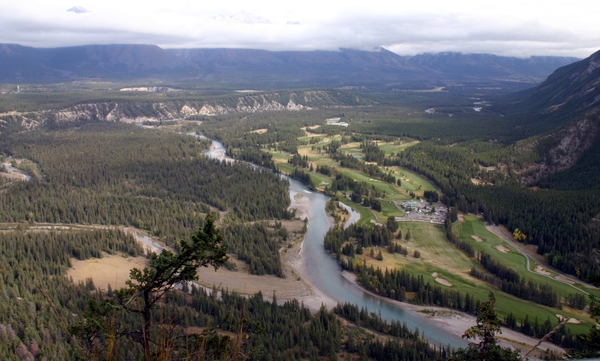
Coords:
542,271
564,279
440,280
477,238
259,131
443,281
502,249
571,320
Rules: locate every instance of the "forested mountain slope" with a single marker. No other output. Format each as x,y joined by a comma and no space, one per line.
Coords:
570,90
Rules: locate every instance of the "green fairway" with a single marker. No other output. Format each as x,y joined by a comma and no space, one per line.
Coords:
441,257
391,192
389,209
390,148
473,230
320,180
413,182
366,214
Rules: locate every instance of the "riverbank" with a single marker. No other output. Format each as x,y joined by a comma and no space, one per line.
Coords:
456,322
295,285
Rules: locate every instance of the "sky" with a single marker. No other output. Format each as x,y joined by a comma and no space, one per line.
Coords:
519,28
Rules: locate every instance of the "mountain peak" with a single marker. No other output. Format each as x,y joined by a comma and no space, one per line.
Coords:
78,10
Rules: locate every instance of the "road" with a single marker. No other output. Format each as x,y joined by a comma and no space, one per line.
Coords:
504,234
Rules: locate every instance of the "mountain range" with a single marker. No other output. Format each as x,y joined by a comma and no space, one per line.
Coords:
345,67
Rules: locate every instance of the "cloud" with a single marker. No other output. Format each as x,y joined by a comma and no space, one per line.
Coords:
507,28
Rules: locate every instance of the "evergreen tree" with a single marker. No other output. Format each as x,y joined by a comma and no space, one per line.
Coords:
486,329
147,287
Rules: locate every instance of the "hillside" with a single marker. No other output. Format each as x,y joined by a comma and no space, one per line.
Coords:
378,69
565,108
569,91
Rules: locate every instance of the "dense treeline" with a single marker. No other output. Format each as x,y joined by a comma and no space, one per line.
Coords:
372,153
299,161
289,332
408,346
114,174
343,182
254,156
30,327
257,245
303,177
561,337
374,322
361,236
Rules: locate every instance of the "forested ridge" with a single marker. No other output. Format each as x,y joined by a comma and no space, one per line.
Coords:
114,174
34,287
36,262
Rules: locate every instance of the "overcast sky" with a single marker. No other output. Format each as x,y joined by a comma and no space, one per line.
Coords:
503,27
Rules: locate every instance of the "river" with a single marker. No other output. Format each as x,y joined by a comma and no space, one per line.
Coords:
325,273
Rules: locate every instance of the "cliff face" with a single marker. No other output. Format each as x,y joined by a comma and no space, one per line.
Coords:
561,149
129,112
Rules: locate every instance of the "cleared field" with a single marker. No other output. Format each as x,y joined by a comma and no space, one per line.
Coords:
279,157
110,269
440,259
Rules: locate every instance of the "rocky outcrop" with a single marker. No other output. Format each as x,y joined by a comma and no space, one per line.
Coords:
140,111
562,148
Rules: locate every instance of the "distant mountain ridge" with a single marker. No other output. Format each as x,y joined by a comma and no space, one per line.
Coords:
567,106
491,65
570,90
345,67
